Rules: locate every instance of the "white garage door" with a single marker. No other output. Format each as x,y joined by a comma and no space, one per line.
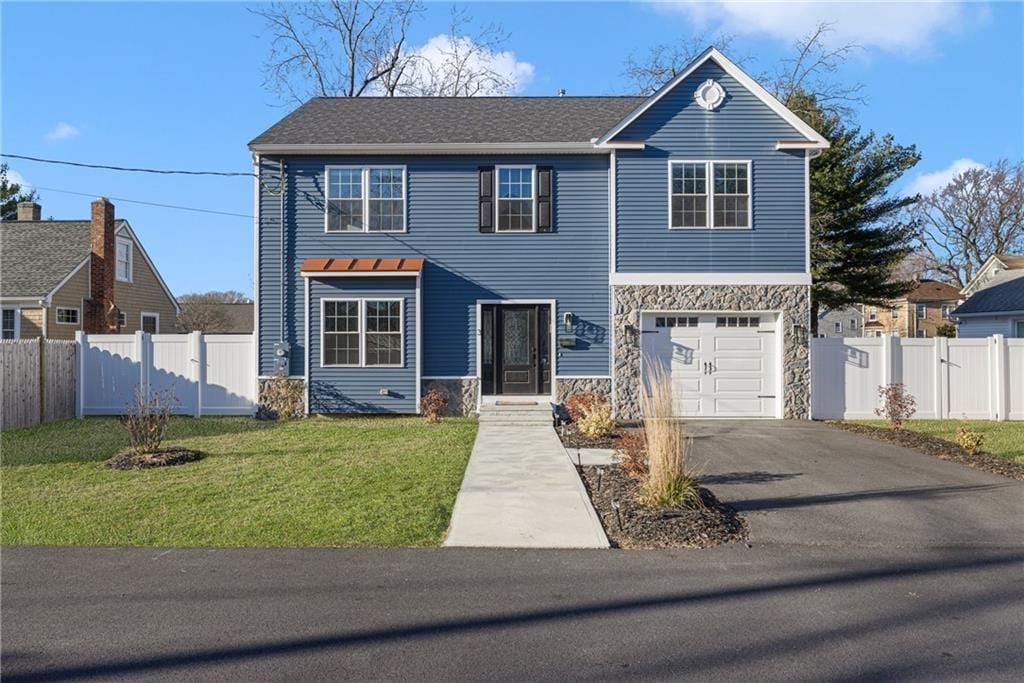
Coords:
720,365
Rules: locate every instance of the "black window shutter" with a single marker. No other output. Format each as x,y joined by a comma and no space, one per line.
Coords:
486,199
545,193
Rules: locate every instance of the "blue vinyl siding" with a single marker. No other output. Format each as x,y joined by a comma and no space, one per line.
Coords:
569,265
987,325
346,390
743,128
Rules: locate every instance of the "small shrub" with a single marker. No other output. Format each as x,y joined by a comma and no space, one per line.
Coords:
968,439
146,420
670,482
432,405
631,452
946,330
578,404
597,422
282,398
897,405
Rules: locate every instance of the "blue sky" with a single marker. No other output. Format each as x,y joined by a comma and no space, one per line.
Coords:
179,86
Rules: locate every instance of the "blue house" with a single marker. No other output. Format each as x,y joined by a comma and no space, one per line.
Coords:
995,299
538,247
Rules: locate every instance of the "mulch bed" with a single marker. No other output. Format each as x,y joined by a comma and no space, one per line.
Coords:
636,526
573,438
938,448
165,457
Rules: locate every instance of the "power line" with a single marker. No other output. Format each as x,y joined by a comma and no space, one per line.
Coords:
139,201
125,168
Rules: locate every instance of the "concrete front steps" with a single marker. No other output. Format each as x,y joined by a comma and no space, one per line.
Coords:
513,412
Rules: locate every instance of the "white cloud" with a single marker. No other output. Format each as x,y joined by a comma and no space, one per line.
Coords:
513,74
893,26
62,131
926,183
15,177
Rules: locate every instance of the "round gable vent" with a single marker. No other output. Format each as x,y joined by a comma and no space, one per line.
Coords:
709,95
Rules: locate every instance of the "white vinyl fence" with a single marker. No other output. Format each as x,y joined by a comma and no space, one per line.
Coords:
948,378
209,374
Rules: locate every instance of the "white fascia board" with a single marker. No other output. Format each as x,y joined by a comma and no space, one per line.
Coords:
352,273
710,279
746,81
437,148
799,144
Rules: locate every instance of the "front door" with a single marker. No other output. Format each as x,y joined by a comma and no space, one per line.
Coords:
515,348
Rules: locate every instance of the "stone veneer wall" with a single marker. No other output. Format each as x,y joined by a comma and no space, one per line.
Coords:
461,394
793,300
567,386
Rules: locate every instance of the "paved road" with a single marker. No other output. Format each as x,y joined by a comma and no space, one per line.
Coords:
893,565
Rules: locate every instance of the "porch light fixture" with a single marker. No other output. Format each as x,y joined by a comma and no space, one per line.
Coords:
567,321
800,332
632,332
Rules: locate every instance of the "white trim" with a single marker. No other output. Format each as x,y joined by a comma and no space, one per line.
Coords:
143,314
17,318
257,192
709,195
354,273
480,303
795,144
746,81
23,299
427,378
419,345
364,185
533,197
127,243
362,331
710,278
67,278
149,262
305,319
807,211
78,315
612,208
435,148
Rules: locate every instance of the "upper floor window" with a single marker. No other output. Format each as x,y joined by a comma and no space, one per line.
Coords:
839,326
515,199
922,310
124,260
946,310
695,202
894,313
873,313
365,199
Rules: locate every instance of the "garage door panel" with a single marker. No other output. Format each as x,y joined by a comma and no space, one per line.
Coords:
732,342
732,407
686,385
688,407
736,364
749,385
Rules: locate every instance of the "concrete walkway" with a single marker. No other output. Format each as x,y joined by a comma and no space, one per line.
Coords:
520,489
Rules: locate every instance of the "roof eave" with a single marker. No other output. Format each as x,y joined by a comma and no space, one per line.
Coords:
432,148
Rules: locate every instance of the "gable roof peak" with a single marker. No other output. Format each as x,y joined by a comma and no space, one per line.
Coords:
813,137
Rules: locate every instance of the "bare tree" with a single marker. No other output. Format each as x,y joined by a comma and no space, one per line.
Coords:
979,213
458,64
203,312
336,48
664,62
811,71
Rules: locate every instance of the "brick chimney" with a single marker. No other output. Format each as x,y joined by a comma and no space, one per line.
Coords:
29,211
100,313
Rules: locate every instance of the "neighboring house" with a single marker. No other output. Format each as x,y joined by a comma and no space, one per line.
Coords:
918,314
61,276
540,246
841,322
995,299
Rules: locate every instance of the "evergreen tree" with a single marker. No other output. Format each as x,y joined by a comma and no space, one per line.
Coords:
10,194
859,231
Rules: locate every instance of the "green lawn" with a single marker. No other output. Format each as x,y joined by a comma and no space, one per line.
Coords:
314,482
1002,439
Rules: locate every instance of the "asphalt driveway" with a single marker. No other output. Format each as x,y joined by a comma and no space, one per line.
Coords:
866,562
809,484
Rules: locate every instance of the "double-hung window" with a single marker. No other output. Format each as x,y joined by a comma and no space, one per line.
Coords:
361,333
365,199
515,204
922,311
123,258
9,323
709,194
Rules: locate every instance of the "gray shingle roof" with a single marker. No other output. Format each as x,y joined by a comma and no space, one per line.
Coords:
433,120
36,255
1003,293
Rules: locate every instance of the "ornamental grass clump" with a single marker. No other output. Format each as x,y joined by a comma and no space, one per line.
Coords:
597,421
968,439
669,481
